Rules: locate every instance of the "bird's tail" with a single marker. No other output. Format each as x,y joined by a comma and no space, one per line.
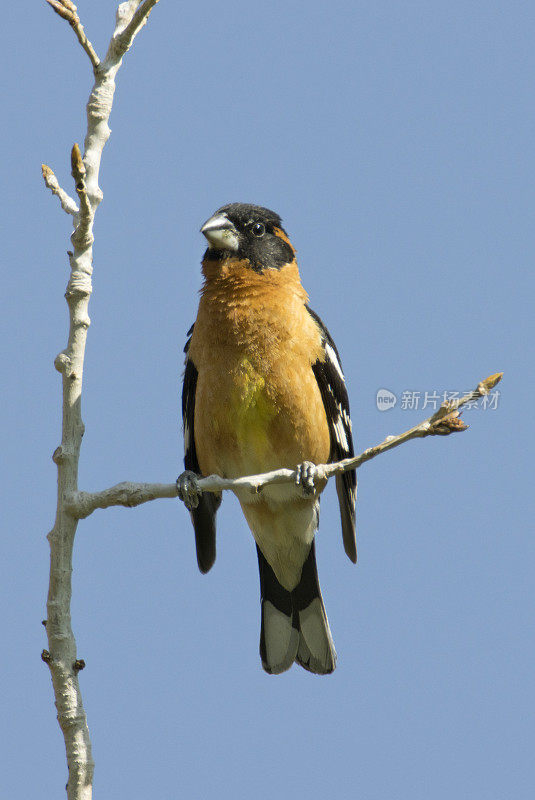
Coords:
294,625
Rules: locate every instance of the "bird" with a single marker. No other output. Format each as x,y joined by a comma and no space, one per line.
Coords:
263,388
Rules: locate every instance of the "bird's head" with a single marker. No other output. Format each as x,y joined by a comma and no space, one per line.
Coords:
249,233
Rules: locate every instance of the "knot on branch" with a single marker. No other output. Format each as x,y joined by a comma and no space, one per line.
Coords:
79,286
99,102
76,504
59,455
83,238
62,362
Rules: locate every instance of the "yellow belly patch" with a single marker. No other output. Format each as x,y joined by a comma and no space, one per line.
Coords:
252,411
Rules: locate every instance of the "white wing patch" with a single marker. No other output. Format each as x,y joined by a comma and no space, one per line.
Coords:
331,382
340,434
331,355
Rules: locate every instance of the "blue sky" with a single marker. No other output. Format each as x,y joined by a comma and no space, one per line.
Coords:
397,142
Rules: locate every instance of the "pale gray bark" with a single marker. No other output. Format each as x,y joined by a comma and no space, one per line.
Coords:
61,654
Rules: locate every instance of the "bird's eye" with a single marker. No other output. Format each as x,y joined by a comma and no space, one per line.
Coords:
258,229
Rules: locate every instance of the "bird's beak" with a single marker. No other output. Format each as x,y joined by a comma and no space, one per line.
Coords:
221,233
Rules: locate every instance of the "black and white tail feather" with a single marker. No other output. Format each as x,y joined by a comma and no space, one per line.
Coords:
294,625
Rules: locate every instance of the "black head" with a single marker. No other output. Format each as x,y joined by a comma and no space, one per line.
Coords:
244,231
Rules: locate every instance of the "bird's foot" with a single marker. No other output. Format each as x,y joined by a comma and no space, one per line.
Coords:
304,479
188,490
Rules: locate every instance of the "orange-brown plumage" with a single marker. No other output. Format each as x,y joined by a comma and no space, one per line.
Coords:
264,389
253,330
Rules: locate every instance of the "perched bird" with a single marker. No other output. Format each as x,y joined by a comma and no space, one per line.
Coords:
264,389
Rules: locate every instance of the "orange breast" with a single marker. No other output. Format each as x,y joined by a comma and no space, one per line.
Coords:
258,405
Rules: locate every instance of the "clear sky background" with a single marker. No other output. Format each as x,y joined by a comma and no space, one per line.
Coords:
396,139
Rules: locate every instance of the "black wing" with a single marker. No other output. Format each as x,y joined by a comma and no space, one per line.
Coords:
203,517
333,390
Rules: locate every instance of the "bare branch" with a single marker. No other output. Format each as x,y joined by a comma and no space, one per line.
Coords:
51,182
124,35
61,654
63,9
82,504
444,421
67,11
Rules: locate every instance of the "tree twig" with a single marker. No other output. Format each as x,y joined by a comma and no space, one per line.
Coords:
51,182
444,421
61,654
67,10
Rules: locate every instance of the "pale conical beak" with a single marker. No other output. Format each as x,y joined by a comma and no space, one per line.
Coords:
221,233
